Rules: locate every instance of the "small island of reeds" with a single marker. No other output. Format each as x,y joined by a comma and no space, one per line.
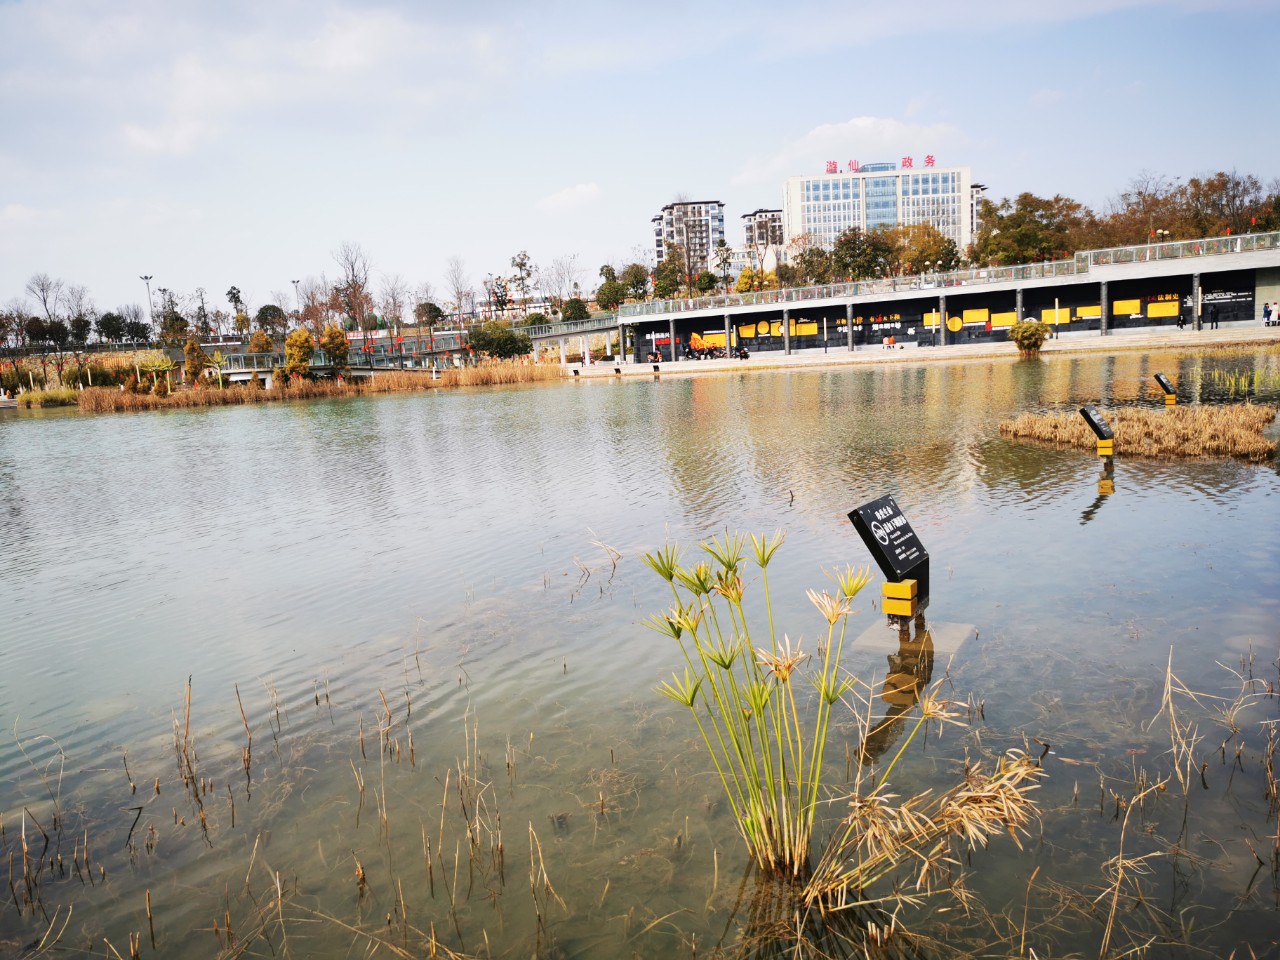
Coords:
1234,430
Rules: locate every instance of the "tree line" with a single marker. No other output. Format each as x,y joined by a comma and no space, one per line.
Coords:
56,316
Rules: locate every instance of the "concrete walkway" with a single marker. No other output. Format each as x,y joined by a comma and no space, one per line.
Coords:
1143,339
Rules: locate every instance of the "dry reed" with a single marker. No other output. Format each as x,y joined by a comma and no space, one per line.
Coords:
112,400
1192,431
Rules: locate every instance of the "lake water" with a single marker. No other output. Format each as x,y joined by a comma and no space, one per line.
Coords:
463,569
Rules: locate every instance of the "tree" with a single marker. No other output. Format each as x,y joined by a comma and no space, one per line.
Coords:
260,342
499,340
723,259
706,281
298,349
458,284
560,279
575,309
751,280
336,347
635,276
668,275
858,255
427,313
110,327
173,325
80,312
395,294
203,323
607,273
48,293
196,359
523,278
813,264
236,301
136,327
610,294
271,319
352,289
1029,229
535,318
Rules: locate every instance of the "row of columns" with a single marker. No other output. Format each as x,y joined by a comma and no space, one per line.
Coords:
1104,326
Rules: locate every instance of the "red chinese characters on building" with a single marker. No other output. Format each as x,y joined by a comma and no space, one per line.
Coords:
928,160
833,166
854,166
908,163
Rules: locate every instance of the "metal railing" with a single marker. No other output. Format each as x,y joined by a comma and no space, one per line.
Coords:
1077,265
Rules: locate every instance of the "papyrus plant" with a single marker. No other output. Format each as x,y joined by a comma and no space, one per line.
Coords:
739,682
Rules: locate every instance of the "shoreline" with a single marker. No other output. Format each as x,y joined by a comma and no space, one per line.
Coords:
1247,335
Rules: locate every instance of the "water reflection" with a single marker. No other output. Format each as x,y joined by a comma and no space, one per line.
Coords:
910,670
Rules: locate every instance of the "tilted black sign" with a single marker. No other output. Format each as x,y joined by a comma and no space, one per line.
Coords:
1165,385
896,548
1096,423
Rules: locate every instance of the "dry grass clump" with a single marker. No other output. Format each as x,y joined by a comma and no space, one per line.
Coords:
51,397
113,400
1196,431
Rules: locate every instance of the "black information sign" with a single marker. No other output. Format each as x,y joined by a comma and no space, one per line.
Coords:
1096,423
1165,385
896,548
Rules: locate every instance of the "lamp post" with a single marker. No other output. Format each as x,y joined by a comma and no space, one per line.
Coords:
297,304
151,308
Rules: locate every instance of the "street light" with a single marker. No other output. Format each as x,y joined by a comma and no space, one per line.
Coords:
151,309
297,304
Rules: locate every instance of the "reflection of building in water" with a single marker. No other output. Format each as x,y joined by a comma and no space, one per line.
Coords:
910,670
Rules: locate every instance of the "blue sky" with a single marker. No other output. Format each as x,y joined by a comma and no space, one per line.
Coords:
243,142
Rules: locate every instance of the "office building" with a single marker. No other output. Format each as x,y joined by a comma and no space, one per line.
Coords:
882,195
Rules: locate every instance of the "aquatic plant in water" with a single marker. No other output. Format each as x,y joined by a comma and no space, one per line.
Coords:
741,690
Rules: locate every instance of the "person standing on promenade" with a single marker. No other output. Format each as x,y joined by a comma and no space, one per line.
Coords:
1213,318
1266,314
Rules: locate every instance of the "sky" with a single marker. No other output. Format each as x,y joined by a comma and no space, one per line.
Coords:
242,142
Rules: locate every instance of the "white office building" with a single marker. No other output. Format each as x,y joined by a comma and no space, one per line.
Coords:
881,195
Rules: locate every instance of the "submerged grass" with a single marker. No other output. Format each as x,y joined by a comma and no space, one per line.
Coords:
1184,431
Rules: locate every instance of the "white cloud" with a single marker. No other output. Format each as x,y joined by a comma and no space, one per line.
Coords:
175,139
1047,98
570,198
865,139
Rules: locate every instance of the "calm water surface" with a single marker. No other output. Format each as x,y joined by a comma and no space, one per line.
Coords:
464,568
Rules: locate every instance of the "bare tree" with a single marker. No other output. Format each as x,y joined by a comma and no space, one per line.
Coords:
395,296
560,278
352,286
459,285
48,293
316,300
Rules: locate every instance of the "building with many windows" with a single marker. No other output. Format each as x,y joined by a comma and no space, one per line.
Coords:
881,195
696,225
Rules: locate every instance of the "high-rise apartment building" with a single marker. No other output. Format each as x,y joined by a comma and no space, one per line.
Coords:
882,195
695,225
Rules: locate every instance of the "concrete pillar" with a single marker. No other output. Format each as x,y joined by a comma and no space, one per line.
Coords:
1104,306
671,329
1195,301
621,353
942,321
564,358
1017,305
786,332
848,324
728,340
